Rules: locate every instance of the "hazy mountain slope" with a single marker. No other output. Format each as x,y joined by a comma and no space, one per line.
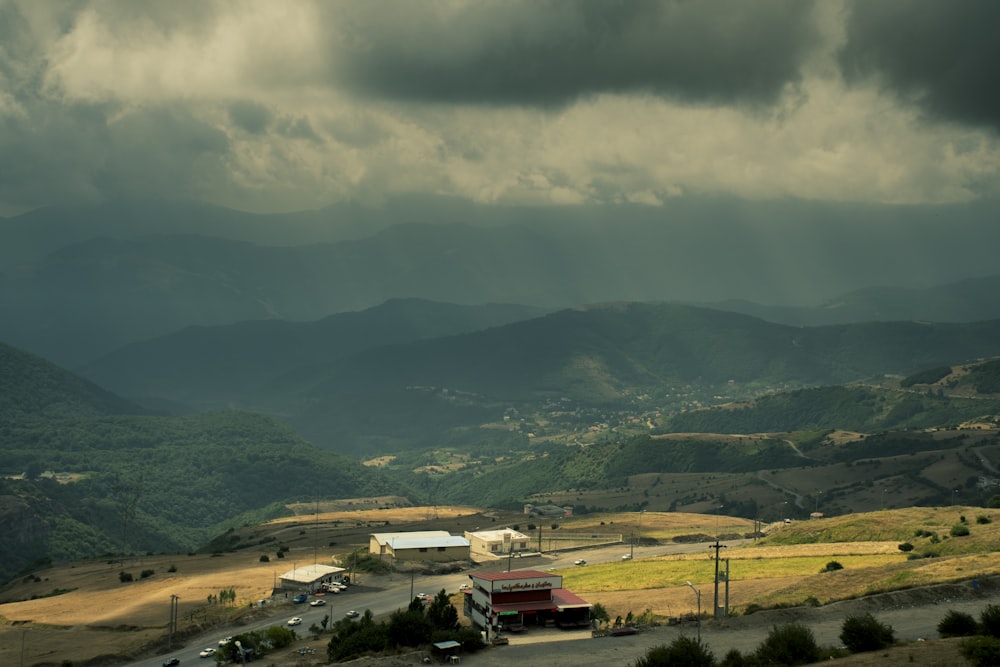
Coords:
115,274
220,365
969,300
605,352
31,387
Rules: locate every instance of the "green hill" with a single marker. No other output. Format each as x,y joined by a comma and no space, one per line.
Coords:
217,366
84,475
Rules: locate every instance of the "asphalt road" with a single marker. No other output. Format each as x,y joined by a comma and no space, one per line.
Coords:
386,594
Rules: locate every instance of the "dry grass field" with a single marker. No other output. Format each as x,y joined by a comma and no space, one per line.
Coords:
96,614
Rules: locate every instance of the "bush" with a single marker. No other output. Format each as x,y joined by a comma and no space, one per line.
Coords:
264,558
681,651
957,624
989,621
865,633
959,530
982,519
832,566
145,574
981,651
125,577
172,568
791,644
906,547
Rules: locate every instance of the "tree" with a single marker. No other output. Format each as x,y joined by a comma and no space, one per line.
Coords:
792,644
682,651
957,624
865,633
441,613
600,614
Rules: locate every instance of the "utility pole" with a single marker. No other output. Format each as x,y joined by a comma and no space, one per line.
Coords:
172,626
716,546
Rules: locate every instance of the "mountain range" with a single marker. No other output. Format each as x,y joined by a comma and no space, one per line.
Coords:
76,284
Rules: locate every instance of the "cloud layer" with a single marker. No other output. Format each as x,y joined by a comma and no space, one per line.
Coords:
271,106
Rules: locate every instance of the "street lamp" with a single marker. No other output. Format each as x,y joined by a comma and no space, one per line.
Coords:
697,594
239,647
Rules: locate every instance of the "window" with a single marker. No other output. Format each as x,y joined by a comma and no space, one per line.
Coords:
440,548
423,550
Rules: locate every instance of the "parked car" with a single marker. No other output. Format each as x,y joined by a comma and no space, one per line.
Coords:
352,614
465,587
627,557
317,603
207,653
295,620
579,561
173,662
300,598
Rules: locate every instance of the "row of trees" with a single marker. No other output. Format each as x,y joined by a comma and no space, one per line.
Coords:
418,625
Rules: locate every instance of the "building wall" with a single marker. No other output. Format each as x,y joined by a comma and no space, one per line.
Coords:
435,554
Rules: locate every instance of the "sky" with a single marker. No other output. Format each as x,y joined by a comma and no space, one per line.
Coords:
273,106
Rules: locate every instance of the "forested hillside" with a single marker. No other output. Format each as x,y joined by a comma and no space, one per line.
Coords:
856,408
80,480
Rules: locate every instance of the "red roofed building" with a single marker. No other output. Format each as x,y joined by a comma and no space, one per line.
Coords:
512,600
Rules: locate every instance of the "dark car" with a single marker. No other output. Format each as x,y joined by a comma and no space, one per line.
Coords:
300,598
173,662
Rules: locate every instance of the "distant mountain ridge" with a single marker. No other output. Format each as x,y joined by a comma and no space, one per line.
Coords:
78,283
202,365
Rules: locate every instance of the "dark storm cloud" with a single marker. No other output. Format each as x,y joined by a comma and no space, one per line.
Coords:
944,56
551,53
250,116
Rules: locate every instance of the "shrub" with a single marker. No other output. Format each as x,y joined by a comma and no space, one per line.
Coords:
832,566
145,574
981,651
791,644
125,577
865,633
959,530
989,621
906,547
682,651
172,568
957,624
264,558
734,659
983,519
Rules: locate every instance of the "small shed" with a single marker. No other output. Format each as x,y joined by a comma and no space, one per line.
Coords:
448,650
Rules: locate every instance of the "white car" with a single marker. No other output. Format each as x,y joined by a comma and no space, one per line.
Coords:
352,614
207,653
225,640
579,561
318,602
295,620
627,557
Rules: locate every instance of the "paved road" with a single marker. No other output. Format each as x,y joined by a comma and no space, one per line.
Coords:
386,594
910,622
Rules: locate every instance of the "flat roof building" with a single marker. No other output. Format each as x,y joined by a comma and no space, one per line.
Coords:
497,543
430,545
311,577
499,601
